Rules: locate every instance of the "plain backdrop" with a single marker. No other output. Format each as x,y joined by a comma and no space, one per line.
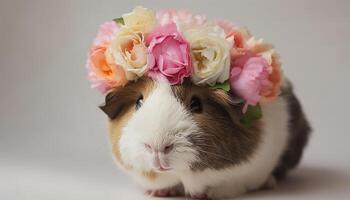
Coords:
53,137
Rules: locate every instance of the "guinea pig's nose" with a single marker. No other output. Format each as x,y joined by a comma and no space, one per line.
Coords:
165,148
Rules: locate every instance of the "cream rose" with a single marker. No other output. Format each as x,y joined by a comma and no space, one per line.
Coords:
210,54
128,50
140,19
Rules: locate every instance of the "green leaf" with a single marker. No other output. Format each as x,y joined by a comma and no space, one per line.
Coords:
119,20
253,113
223,86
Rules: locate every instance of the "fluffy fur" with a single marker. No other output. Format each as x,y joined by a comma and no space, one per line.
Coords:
161,119
240,160
250,175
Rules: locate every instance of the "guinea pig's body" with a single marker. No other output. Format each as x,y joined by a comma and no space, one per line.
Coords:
187,139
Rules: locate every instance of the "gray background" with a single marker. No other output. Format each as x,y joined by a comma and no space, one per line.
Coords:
53,138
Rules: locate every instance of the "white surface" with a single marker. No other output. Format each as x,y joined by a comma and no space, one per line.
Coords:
53,142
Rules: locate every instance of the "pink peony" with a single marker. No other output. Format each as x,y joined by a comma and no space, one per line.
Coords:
103,75
105,33
182,18
265,50
249,78
169,54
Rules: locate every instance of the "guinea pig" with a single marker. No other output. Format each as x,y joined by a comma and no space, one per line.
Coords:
189,140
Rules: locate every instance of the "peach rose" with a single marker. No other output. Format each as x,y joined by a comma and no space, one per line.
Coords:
238,36
103,75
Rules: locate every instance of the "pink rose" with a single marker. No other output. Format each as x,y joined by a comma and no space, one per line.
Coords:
169,54
249,78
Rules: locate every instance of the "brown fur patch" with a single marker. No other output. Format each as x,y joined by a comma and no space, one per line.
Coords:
299,131
223,141
123,98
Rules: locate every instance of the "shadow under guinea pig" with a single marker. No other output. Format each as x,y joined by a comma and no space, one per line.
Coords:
299,183
302,182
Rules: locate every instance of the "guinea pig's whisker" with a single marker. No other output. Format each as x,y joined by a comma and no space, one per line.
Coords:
205,145
184,150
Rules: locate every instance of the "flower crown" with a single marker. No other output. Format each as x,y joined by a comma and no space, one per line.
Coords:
177,44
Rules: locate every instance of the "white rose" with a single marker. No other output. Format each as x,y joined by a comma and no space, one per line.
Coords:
140,19
210,54
128,50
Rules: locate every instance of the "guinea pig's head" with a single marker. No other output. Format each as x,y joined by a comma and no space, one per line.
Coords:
159,127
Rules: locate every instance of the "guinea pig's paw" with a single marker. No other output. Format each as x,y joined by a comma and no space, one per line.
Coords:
270,183
167,192
162,192
199,196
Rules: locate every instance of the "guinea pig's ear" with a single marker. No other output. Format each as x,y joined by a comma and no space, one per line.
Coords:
236,100
113,105
230,102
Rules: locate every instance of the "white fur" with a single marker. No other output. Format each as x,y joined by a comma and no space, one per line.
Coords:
162,118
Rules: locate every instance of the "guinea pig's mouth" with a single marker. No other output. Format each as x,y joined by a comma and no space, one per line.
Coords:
161,166
163,169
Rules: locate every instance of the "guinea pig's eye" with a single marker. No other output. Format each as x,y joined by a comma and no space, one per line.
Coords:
139,102
196,105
